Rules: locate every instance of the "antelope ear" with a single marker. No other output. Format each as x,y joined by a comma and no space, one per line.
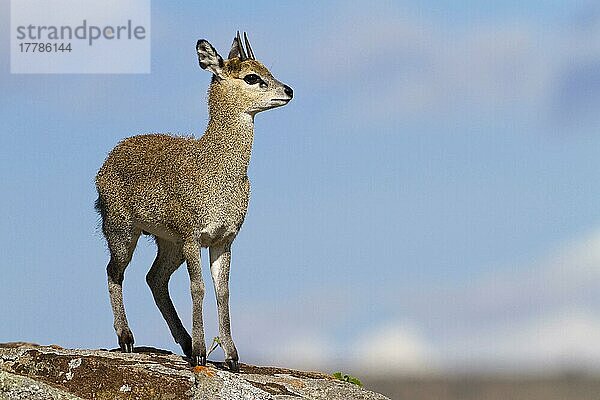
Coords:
209,58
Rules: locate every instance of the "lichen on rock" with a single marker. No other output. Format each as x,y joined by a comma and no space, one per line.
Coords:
29,371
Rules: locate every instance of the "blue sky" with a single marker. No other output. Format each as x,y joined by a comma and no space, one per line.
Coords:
427,201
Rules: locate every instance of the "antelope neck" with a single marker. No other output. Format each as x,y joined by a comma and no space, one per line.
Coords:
231,138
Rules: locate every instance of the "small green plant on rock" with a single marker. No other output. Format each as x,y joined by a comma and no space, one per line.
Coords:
347,378
215,343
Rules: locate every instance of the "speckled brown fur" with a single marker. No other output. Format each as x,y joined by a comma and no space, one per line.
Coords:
188,193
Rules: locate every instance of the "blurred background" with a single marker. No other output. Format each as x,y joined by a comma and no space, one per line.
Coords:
425,212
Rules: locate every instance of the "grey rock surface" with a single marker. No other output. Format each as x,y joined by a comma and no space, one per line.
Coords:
29,371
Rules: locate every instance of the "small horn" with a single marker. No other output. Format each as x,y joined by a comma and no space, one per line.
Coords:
250,52
243,55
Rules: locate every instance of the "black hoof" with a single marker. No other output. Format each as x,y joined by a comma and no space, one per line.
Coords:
233,365
198,360
126,342
127,347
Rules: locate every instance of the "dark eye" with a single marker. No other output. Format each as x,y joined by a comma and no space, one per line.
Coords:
252,79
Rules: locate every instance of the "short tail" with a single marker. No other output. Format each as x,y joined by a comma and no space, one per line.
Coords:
99,206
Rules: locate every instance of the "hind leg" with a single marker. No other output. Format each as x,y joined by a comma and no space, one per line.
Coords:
121,244
169,258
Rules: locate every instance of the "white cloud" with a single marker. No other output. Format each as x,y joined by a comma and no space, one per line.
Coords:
565,338
543,314
535,315
391,349
295,331
570,336
306,350
562,277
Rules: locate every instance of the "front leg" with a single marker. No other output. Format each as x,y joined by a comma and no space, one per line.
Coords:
191,252
220,259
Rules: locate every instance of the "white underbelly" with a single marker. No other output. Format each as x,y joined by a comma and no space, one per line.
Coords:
217,232
211,234
159,230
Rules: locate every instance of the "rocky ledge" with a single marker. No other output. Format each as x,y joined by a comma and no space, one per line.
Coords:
33,372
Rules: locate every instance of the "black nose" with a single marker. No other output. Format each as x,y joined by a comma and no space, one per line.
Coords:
288,90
